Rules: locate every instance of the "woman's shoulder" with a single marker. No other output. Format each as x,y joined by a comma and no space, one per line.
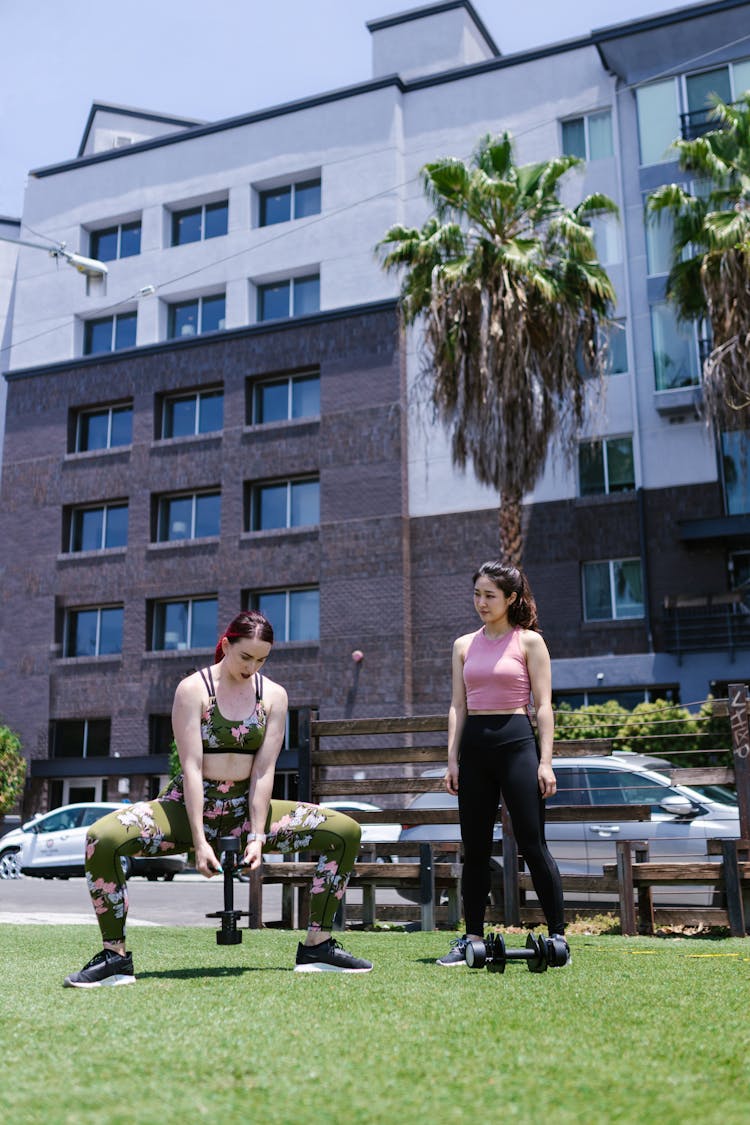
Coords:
274,693
191,686
461,644
530,640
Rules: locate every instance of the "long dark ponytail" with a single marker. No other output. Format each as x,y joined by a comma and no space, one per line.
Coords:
511,580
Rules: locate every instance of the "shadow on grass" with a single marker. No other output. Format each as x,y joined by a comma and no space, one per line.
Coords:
216,972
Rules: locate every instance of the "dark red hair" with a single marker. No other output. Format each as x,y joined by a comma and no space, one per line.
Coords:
251,624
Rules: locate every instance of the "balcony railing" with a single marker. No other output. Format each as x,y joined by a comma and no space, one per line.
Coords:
698,122
706,624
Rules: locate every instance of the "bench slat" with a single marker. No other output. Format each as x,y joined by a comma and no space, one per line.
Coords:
649,872
716,775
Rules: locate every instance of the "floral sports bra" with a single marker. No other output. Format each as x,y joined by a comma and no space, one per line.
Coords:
234,736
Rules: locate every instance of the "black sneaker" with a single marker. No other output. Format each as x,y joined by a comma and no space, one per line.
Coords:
328,957
106,968
456,955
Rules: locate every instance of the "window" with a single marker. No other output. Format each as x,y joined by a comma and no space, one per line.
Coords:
589,136
81,738
194,318
623,787
160,734
110,334
195,223
93,632
700,89
187,623
190,516
279,400
606,466
122,241
294,503
98,528
293,201
659,235
186,415
297,296
294,614
614,338
735,465
675,349
607,239
104,428
658,121
612,590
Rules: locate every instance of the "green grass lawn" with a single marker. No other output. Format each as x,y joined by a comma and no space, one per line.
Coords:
636,1030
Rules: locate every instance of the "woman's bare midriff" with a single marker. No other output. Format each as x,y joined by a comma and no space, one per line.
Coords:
227,767
515,711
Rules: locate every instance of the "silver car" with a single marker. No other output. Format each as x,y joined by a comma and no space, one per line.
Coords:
53,845
682,819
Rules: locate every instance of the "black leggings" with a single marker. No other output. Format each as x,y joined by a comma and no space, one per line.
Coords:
498,755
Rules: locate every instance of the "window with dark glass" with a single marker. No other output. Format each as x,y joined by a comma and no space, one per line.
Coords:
195,317
123,241
104,428
588,136
285,398
612,590
291,201
185,623
201,412
298,296
99,528
209,220
294,614
81,738
95,631
735,467
109,334
606,466
282,504
193,515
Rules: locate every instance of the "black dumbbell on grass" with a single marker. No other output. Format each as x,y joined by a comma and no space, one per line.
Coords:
229,854
539,953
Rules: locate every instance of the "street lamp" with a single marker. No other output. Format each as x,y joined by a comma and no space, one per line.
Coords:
89,267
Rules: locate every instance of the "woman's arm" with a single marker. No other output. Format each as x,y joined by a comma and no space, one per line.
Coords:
186,719
456,714
540,677
264,768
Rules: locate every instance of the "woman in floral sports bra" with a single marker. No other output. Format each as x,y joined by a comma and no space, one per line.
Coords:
229,723
493,750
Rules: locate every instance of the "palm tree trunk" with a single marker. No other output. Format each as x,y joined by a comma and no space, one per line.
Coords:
509,522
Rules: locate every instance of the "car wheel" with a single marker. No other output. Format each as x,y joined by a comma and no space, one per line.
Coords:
169,876
10,868
152,876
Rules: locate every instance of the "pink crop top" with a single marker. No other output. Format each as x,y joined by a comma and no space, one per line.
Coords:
495,673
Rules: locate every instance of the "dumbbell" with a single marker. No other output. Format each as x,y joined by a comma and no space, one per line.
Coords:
539,953
229,855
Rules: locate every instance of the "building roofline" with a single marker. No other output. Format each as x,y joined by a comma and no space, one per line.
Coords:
664,19
434,10
270,326
132,111
594,39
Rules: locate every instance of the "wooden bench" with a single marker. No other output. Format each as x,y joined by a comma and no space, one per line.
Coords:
383,761
730,877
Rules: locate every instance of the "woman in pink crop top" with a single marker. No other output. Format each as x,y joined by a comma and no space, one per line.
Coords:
493,752
229,723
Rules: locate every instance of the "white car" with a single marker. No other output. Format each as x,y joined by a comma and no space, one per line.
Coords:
682,819
371,833
52,846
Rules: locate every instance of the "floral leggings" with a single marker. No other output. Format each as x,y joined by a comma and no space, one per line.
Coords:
154,827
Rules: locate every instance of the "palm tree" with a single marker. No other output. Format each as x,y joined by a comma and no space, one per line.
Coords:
710,274
513,303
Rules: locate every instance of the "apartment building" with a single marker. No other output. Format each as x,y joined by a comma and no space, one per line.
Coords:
236,417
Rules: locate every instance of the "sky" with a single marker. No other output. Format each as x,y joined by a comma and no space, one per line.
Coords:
212,60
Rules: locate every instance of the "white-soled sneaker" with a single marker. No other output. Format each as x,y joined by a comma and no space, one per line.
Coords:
329,957
106,968
456,955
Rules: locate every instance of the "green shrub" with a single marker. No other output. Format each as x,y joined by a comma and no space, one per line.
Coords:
598,720
12,769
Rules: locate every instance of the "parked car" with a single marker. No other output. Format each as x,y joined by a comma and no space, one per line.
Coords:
682,819
371,833
52,846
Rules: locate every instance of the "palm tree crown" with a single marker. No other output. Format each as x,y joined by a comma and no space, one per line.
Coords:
513,301
710,271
